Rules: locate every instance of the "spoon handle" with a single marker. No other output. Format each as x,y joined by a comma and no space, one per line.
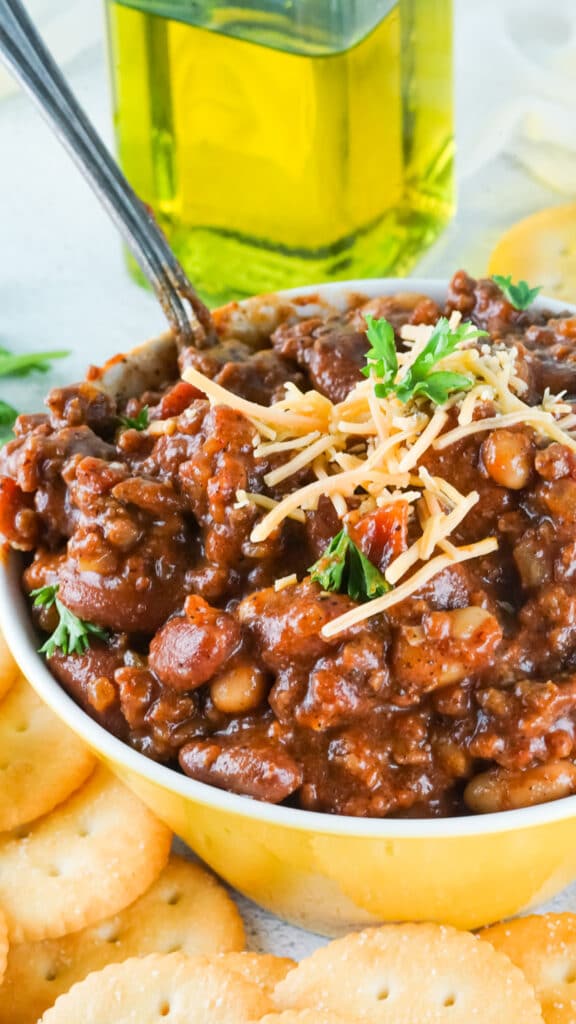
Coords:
25,54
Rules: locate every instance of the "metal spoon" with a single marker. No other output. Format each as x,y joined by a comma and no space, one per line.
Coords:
26,56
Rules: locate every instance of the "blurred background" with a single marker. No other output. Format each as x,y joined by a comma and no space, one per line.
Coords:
63,280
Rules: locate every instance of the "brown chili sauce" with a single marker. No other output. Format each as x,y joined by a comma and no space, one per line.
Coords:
460,699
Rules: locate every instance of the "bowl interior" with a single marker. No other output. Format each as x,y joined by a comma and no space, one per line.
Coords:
125,375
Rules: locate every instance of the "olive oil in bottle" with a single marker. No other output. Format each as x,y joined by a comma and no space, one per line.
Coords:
280,144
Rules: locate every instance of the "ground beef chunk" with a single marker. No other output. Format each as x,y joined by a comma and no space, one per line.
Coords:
210,361
332,358
136,593
551,351
484,303
82,404
159,719
19,523
89,678
526,724
220,463
345,686
262,378
287,623
36,463
333,351
545,344
447,647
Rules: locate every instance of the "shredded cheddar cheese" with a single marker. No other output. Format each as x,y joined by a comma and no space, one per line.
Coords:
405,590
244,499
285,581
543,423
298,462
281,415
366,452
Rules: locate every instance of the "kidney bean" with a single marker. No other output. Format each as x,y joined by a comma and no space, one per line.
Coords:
189,649
262,771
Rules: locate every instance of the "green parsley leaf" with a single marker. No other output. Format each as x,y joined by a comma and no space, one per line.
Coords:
344,569
418,378
382,360
138,422
328,571
439,386
20,366
72,635
442,342
519,295
8,417
44,597
365,581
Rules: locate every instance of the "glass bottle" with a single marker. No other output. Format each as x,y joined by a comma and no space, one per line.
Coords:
283,142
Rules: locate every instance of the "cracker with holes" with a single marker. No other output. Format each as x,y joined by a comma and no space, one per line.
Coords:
261,969
8,668
306,1017
3,947
544,947
185,910
88,859
41,761
403,973
176,988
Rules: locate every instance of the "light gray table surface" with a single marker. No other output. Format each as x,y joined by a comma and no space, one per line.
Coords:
62,278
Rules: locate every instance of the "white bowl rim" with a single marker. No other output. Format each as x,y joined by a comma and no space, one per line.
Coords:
22,639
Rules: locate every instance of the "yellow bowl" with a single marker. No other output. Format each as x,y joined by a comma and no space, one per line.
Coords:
324,873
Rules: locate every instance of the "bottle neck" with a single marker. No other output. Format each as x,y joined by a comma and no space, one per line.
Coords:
301,26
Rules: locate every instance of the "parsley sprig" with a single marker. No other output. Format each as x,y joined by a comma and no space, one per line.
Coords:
72,635
12,365
344,569
381,358
8,416
419,378
138,422
519,295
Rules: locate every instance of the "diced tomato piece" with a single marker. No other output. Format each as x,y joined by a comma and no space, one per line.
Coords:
383,535
177,399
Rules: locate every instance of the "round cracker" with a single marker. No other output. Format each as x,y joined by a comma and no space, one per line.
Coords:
305,1017
3,947
173,989
185,910
9,670
261,969
544,948
413,972
88,859
41,761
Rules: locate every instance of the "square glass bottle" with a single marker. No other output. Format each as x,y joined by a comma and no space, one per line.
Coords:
284,142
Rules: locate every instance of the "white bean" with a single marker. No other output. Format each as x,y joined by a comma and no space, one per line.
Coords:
239,689
503,790
508,458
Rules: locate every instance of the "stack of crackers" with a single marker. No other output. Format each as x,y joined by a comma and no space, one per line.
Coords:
101,924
